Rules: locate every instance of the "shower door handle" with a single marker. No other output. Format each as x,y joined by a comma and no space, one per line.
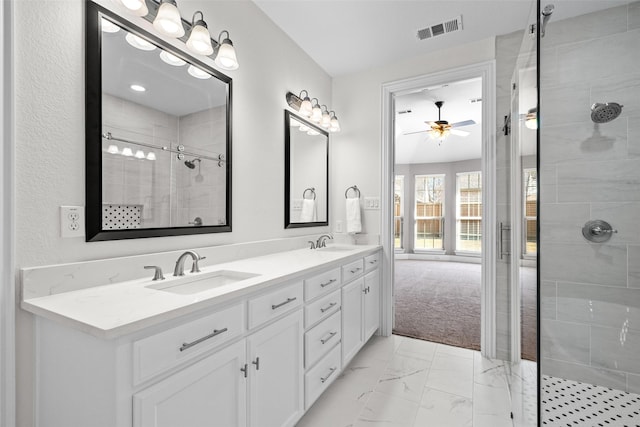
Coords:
503,229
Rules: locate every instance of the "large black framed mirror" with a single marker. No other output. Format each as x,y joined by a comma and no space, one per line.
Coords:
306,183
158,135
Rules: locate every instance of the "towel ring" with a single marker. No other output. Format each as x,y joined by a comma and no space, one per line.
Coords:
313,191
354,188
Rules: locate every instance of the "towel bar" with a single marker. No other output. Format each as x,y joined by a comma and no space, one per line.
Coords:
354,188
313,191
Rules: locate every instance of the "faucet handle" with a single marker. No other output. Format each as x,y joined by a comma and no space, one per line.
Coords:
313,245
157,275
195,268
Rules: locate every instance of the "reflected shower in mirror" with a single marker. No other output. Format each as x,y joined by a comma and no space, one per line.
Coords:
306,173
163,119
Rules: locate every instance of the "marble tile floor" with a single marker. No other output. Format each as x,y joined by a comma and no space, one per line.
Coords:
403,382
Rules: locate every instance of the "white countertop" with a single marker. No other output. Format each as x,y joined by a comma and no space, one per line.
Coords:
117,309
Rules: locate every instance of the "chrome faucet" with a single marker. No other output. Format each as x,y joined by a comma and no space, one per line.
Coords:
179,270
322,240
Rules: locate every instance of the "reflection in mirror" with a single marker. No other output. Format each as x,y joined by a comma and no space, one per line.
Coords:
306,173
163,121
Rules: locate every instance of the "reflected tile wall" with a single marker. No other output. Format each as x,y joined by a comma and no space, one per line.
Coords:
590,298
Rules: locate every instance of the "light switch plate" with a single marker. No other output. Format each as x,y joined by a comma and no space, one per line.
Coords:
372,203
71,221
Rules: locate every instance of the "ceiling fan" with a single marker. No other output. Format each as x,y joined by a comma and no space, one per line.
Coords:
440,129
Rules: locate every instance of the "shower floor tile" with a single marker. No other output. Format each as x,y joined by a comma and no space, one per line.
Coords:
571,403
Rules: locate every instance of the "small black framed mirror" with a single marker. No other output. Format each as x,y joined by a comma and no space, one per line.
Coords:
158,135
306,183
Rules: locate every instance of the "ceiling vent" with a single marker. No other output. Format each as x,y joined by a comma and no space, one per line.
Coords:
440,28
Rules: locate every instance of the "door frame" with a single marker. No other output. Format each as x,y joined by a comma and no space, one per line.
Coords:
485,70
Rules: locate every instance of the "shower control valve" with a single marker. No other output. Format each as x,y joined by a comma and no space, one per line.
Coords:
598,231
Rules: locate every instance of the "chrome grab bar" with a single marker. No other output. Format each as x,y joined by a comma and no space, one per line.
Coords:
215,332
331,335
274,306
332,370
333,304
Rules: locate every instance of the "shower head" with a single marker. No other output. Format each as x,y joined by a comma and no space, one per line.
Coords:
191,164
604,113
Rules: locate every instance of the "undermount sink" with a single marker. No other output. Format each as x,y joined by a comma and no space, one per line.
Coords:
337,248
202,282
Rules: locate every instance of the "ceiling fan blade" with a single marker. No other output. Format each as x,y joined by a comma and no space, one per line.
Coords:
418,131
432,124
464,123
459,132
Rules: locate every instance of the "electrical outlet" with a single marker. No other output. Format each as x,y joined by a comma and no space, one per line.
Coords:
297,204
71,221
338,228
372,203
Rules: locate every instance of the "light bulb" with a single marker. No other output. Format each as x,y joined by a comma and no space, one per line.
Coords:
137,7
168,21
139,154
151,155
199,41
171,59
108,27
113,149
139,43
198,73
226,57
127,152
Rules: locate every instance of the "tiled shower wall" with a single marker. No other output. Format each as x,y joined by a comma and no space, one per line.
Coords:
590,295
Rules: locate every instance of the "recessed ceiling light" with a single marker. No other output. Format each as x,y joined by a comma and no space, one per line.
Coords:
139,43
108,26
171,59
138,88
198,73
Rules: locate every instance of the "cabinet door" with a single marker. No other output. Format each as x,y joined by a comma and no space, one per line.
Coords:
276,373
371,303
211,392
352,338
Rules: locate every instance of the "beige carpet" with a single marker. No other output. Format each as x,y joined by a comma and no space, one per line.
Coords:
440,301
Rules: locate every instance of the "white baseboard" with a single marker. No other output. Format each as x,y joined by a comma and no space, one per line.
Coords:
438,257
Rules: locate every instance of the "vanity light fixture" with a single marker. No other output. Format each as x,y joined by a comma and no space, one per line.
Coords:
298,103
326,118
113,149
316,112
168,21
531,120
139,43
127,152
139,154
151,155
136,7
137,88
198,73
226,57
108,27
199,41
171,59
334,124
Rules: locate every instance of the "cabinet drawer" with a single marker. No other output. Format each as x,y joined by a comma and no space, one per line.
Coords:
371,261
352,270
319,340
321,284
271,305
322,308
157,353
321,376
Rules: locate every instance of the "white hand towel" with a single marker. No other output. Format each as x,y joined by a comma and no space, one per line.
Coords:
354,225
308,213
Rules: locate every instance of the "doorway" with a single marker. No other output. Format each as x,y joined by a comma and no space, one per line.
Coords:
433,235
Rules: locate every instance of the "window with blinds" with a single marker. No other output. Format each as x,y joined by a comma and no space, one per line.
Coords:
469,212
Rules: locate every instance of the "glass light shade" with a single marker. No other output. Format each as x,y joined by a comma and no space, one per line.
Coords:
139,154
199,41
171,59
139,43
137,7
108,27
326,120
198,73
113,149
151,156
312,132
304,128
138,88
334,125
316,113
226,57
127,152
305,107
168,20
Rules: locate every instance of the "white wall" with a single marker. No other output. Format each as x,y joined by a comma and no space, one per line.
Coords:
49,125
357,101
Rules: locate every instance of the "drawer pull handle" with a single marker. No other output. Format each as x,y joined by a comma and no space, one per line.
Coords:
333,304
274,306
356,270
199,340
373,261
322,285
326,340
331,371
257,363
